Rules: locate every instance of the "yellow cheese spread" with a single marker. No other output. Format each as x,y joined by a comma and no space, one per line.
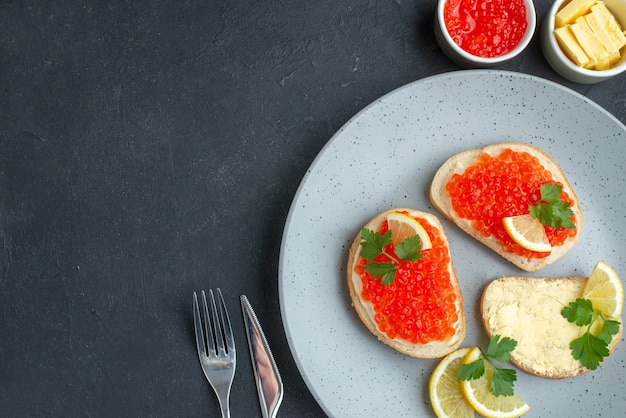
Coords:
529,311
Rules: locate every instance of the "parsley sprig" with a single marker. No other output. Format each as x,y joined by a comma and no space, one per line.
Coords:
502,380
373,244
550,210
590,349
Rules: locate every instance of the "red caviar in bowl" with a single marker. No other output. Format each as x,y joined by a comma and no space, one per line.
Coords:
495,187
420,305
486,28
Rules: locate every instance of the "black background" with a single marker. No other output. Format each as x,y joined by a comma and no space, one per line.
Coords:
149,149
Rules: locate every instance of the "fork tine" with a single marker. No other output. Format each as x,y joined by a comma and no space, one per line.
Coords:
197,323
209,323
227,330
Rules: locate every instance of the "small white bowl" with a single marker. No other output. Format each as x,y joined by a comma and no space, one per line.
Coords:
464,58
563,65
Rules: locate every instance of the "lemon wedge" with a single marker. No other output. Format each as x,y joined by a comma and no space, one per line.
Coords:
528,232
404,226
446,397
605,291
482,400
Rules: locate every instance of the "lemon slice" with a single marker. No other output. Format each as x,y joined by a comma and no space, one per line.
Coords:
528,232
605,291
446,397
404,226
482,400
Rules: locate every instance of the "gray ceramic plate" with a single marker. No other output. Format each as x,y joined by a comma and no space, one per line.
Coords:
386,157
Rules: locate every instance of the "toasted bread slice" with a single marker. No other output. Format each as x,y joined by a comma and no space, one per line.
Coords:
529,311
460,162
366,310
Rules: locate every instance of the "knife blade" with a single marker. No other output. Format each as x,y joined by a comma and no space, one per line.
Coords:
266,376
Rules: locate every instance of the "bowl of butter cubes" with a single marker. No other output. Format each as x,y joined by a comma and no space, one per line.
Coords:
584,40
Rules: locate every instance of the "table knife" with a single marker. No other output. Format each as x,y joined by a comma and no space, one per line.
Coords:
268,382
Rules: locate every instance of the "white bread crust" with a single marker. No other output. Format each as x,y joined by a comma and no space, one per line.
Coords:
457,165
365,310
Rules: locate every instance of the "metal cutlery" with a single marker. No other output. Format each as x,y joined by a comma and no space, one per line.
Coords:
216,346
266,375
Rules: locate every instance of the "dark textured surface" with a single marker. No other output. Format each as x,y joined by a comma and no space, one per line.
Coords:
150,149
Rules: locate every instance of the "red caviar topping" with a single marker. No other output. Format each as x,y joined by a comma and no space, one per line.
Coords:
486,28
505,185
419,306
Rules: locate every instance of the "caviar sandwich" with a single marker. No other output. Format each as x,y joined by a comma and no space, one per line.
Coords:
513,198
403,285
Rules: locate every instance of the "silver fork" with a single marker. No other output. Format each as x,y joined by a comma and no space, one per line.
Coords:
216,346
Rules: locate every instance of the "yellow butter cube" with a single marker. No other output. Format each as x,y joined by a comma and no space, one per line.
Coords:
612,26
588,42
572,11
601,33
570,47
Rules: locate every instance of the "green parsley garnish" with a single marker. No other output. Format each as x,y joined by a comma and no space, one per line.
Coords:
502,380
590,349
373,244
550,210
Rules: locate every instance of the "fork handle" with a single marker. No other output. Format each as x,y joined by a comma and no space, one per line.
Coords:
225,409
